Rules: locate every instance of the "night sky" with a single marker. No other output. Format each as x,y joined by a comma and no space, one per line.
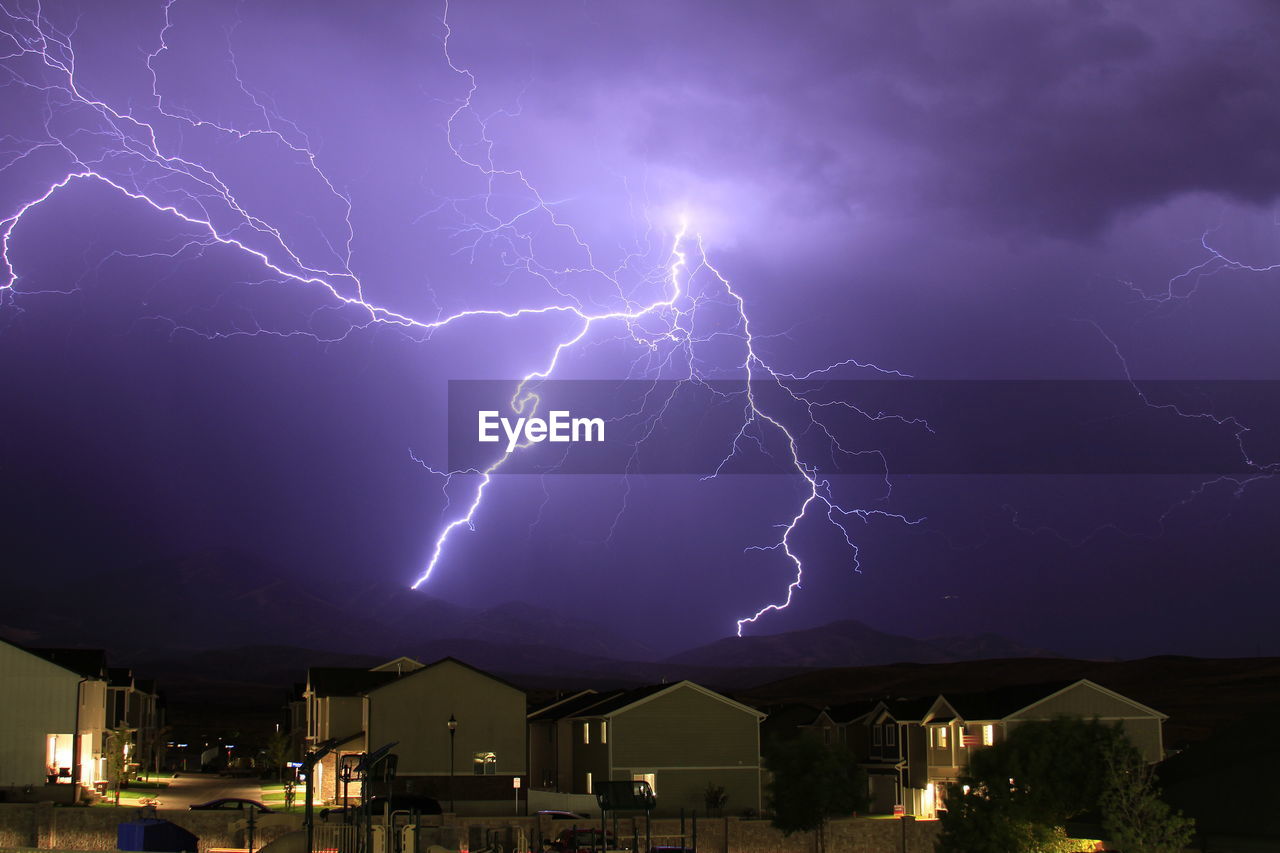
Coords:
977,191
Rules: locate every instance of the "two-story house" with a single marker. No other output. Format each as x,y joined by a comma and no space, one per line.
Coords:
916,747
458,733
52,721
133,705
680,738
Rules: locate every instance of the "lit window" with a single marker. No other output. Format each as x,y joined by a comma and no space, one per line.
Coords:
604,731
988,735
586,733
942,737
651,778
589,791
484,764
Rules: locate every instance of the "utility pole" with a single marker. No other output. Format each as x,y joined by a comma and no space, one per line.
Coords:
309,762
453,730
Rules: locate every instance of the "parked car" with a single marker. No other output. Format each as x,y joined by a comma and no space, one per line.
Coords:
231,804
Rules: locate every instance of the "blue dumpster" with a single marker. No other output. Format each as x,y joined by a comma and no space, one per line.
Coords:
159,836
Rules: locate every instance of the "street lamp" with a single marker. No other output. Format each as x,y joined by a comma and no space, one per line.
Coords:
453,729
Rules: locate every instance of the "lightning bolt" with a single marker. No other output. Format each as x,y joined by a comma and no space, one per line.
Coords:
136,152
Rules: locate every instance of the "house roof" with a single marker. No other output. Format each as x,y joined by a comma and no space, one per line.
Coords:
345,680
619,699
401,664
909,710
786,719
355,681
849,712
433,665
88,663
120,676
565,706
625,700
1003,701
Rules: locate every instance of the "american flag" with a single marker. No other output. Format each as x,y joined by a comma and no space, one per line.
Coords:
971,740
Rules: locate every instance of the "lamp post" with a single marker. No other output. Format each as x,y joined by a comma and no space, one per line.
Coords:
453,729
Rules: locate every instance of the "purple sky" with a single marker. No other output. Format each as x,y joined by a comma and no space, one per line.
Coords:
1062,190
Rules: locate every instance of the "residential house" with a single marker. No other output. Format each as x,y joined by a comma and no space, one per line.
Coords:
842,726
133,706
458,733
680,738
52,722
916,747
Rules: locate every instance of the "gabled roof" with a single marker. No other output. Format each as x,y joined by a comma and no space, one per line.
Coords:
1136,705
908,710
629,699
399,665
354,681
848,713
618,699
344,680
88,663
786,720
1004,701
564,706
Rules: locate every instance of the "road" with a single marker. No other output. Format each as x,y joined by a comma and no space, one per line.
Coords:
191,788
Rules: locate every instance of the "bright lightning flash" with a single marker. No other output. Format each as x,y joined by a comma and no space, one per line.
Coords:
136,151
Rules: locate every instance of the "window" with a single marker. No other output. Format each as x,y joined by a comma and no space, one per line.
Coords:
586,735
877,736
988,735
484,764
942,736
589,791
826,735
604,731
651,778
890,734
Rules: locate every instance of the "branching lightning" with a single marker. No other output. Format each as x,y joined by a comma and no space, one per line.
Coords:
135,150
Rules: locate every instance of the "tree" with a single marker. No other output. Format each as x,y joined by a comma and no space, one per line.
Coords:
1021,791
810,783
278,752
715,798
151,748
1134,816
116,750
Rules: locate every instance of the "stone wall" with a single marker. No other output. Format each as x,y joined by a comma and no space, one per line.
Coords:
47,827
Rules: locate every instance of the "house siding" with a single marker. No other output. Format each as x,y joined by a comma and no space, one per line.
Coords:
1088,702
413,710
685,728
686,789
40,699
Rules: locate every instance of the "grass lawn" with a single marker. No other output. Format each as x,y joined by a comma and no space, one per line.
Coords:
128,797
273,797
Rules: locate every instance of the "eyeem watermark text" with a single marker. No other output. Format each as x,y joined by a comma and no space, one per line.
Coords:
557,427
